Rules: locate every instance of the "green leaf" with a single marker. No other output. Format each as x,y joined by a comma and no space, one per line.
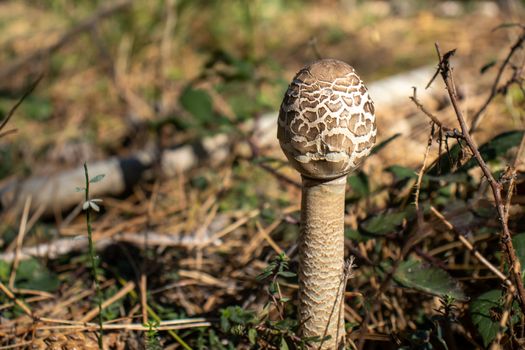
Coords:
38,108
264,275
31,274
198,103
484,311
284,345
356,235
286,274
252,336
359,184
272,288
380,146
496,148
235,315
225,324
401,173
518,241
487,66
4,271
200,182
492,150
446,162
386,223
79,189
428,279
97,178
285,325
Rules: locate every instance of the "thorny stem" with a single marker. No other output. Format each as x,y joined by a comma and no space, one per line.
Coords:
93,261
511,174
427,112
420,175
503,321
506,241
443,130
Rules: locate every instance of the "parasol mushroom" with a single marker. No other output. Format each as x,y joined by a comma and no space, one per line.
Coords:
326,127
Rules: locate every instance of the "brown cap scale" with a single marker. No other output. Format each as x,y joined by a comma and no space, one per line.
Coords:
326,120
326,128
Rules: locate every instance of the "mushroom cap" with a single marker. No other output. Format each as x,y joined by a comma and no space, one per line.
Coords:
326,123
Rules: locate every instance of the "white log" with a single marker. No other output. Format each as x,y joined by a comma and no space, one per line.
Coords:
57,192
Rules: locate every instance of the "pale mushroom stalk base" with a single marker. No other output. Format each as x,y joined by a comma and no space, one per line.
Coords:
321,261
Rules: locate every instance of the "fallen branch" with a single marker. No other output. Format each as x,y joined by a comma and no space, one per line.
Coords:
57,193
56,248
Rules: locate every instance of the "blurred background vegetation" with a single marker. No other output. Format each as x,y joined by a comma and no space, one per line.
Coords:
199,65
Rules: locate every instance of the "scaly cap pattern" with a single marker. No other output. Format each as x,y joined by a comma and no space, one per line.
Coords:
326,123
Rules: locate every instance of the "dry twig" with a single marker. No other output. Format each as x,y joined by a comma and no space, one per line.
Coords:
17,104
421,173
11,296
120,294
19,240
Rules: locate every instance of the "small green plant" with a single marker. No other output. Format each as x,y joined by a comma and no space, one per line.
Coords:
265,329
278,267
282,332
91,204
235,320
152,339
433,330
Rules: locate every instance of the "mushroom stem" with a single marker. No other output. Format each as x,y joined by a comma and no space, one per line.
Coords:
321,261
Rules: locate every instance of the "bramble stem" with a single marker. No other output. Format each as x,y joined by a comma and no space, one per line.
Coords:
505,236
